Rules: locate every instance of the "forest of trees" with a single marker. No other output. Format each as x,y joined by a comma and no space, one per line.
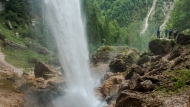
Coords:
180,16
119,22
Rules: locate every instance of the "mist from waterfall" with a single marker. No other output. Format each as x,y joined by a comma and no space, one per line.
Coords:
147,17
68,28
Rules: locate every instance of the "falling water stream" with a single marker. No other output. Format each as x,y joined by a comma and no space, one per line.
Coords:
68,28
147,17
167,16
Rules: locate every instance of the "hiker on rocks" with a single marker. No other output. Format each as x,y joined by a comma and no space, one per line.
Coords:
170,33
158,33
166,33
175,33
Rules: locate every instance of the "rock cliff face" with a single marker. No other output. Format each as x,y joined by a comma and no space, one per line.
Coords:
147,82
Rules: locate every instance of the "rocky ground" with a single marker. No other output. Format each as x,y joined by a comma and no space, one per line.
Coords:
9,95
160,77
36,88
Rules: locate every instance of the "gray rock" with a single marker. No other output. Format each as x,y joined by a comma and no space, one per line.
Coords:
117,65
138,69
14,45
147,85
134,82
9,25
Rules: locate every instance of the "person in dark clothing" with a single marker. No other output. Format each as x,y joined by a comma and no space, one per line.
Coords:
170,33
175,33
166,33
158,33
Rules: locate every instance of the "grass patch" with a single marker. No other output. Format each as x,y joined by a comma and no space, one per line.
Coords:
19,58
177,78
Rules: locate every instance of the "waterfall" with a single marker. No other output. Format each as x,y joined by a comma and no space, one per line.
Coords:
147,17
169,9
65,20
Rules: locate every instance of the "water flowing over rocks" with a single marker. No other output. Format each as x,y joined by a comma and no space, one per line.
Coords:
142,83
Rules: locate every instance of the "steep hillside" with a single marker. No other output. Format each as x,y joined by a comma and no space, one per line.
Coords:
120,22
25,34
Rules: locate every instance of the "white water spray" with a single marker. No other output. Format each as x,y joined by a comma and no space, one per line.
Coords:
147,17
64,17
167,15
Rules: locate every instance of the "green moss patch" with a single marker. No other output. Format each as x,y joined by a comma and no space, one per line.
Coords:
174,80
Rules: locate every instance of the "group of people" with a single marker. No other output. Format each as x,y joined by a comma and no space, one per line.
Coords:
170,32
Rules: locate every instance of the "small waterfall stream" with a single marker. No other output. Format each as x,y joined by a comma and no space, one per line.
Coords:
167,15
147,17
68,28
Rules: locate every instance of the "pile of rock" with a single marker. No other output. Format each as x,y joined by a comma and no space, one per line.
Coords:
143,76
42,86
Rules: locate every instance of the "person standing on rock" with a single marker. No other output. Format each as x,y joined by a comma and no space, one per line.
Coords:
158,33
175,33
170,33
166,33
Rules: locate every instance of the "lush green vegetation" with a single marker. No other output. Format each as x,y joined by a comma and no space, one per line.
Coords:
176,80
113,22
120,22
21,13
20,58
180,16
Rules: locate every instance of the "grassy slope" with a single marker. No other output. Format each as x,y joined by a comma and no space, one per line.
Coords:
16,57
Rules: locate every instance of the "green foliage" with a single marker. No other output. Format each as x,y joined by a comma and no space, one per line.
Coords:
122,10
20,58
177,77
20,9
180,16
120,22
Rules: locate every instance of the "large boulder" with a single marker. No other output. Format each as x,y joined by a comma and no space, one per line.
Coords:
134,82
147,85
117,65
41,92
127,99
161,46
41,70
123,60
137,99
183,39
104,54
174,54
109,84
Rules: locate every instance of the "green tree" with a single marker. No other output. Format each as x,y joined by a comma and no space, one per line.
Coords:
180,16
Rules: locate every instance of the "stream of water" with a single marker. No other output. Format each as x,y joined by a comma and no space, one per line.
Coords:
147,17
68,28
